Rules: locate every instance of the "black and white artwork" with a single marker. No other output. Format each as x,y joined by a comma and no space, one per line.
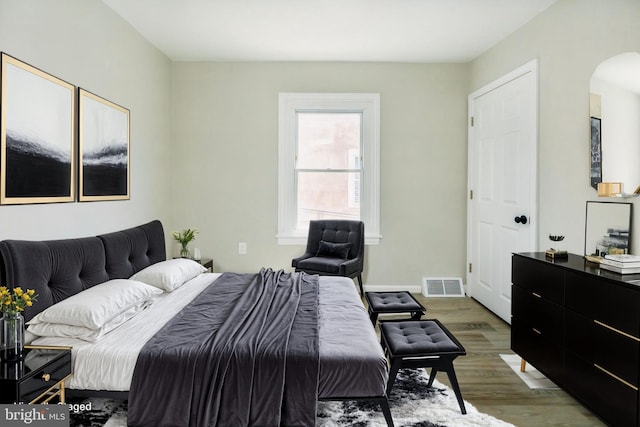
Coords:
37,159
104,149
596,152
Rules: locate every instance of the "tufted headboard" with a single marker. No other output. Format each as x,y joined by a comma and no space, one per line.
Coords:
58,269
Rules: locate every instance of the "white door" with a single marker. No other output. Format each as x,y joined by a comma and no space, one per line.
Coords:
502,184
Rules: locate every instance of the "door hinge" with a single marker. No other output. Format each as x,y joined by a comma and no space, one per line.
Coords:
472,121
471,194
470,268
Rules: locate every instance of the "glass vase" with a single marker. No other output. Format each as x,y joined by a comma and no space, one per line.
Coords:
184,250
11,337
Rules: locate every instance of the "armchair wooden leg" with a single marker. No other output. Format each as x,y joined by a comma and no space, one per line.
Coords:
360,283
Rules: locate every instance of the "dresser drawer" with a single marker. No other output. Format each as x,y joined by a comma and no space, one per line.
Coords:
611,399
545,355
598,344
44,377
542,279
606,302
540,316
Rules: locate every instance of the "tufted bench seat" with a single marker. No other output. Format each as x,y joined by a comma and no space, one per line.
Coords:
393,302
421,344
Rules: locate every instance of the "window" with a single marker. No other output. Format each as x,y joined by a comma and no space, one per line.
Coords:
328,162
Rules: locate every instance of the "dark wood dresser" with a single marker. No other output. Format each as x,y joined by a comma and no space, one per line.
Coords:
580,326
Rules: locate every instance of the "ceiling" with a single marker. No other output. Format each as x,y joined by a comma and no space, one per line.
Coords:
326,30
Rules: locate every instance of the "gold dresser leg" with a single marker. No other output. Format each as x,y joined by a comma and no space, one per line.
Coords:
523,365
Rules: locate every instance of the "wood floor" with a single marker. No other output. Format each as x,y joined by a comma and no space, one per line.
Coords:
485,379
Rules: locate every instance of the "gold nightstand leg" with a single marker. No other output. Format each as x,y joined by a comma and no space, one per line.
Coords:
61,391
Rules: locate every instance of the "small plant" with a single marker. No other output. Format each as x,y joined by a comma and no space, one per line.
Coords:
184,237
14,301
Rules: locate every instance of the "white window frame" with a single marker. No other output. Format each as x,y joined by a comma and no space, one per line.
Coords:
290,104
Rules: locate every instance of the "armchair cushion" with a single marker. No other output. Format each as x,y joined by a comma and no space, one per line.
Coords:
330,249
328,265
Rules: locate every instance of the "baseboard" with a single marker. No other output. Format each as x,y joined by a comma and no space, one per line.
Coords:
390,288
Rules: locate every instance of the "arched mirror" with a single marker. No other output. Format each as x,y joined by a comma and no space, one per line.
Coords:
615,121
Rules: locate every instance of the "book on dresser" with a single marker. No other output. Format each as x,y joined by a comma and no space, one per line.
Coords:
620,270
622,261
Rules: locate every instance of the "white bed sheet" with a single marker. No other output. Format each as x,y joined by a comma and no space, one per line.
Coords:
108,364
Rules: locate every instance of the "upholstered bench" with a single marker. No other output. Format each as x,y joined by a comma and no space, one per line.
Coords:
391,303
421,344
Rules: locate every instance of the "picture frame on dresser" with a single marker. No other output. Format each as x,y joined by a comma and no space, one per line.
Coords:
607,228
37,135
103,134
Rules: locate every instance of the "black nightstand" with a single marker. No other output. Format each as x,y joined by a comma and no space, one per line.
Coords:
206,263
38,377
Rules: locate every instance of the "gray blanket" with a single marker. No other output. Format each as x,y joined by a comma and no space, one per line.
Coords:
243,353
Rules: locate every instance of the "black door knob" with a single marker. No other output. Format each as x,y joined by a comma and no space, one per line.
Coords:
520,219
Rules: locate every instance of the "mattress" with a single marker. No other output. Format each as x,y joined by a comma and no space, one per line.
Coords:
352,363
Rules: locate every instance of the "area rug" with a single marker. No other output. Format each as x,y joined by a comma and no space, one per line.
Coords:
531,376
412,404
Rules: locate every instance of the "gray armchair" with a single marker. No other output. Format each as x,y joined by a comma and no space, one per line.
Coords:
334,248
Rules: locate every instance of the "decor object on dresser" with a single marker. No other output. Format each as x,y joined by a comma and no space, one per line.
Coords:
556,253
12,304
184,237
104,149
609,189
334,248
579,325
37,158
608,228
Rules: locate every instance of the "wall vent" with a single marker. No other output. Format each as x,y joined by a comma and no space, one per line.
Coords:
442,287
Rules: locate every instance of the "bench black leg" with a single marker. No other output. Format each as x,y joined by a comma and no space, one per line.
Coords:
447,366
374,318
456,388
432,376
384,404
396,364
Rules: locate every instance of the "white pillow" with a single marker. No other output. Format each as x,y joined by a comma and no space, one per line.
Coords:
94,307
169,275
80,332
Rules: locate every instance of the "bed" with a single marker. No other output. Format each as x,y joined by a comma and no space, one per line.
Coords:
351,363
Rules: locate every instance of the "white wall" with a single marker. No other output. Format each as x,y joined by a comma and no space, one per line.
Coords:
226,128
204,135
570,39
84,43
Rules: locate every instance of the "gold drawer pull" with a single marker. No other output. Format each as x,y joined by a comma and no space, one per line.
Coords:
536,331
536,295
46,377
616,377
604,325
